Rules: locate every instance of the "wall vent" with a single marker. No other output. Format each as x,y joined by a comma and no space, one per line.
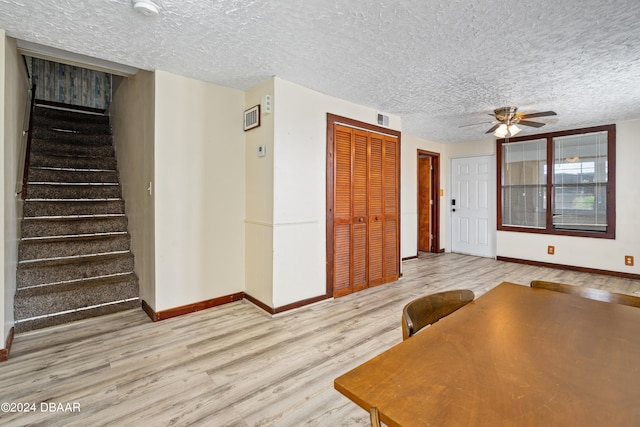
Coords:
252,117
383,120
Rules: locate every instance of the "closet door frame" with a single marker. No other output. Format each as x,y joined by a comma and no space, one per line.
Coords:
332,121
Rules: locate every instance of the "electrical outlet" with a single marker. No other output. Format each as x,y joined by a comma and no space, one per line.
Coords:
628,260
551,250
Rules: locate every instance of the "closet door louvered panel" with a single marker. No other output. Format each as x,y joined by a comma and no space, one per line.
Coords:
365,209
391,190
342,212
359,216
376,211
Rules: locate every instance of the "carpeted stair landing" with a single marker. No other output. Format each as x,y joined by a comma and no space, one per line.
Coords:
74,254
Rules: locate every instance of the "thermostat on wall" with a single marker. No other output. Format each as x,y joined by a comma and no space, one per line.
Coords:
262,150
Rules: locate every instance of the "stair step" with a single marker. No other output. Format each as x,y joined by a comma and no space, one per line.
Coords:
74,315
61,125
76,283
68,225
42,272
68,147
74,162
44,174
70,136
72,245
72,207
50,299
66,115
59,190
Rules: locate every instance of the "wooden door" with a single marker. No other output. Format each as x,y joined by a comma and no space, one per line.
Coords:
391,171
376,211
364,219
424,204
342,282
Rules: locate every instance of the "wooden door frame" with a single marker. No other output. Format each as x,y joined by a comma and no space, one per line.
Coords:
435,196
332,121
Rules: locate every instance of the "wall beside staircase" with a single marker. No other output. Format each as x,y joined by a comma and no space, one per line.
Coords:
13,104
185,137
199,191
132,120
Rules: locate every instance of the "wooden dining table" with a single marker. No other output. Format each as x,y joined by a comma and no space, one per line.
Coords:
516,356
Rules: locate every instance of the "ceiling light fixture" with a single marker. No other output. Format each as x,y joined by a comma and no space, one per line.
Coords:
146,7
505,130
508,118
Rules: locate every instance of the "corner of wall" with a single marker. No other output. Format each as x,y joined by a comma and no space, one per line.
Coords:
259,195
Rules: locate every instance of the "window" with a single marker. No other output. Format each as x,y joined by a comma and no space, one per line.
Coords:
558,183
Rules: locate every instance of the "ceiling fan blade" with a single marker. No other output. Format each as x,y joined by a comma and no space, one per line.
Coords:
475,124
493,128
530,123
540,114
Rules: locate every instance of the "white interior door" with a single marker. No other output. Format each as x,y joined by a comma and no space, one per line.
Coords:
472,203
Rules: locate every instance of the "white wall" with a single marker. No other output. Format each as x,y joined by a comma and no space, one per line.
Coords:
13,104
409,193
299,223
603,254
132,119
199,165
259,199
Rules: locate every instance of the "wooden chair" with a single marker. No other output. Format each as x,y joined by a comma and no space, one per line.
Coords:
590,293
375,417
429,309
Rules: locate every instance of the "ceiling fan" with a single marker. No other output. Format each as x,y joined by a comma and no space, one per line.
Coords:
508,118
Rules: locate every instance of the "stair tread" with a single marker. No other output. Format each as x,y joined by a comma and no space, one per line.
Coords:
54,319
75,236
60,246
104,199
36,273
73,257
61,169
127,275
68,217
79,184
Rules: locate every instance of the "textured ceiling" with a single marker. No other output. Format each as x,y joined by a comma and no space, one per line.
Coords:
438,64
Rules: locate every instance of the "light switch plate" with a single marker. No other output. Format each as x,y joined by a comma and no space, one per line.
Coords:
262,150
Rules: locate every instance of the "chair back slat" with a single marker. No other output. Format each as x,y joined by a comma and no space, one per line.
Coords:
429,309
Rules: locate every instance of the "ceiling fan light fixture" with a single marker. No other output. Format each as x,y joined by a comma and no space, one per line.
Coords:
513,130
505,130
502,131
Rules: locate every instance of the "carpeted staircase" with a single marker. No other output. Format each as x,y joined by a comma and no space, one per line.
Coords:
74,253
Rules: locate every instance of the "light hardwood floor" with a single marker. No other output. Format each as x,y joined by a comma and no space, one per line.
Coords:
234,365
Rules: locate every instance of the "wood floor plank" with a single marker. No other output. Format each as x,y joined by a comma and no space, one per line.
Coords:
235,365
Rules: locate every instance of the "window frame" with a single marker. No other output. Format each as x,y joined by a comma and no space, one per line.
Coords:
610,232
